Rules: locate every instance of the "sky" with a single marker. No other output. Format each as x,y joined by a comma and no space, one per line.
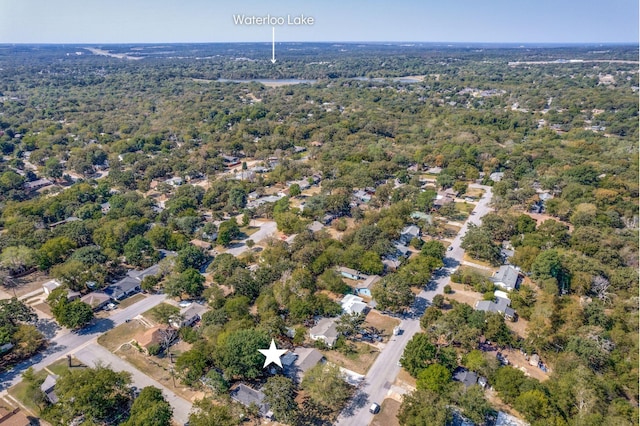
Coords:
184,21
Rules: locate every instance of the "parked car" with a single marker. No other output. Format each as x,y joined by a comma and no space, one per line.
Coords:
375,408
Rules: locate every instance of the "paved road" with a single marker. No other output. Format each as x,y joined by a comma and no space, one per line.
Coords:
93,354
65,341
384,370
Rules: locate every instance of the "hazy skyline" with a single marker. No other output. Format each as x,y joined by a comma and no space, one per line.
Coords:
164,21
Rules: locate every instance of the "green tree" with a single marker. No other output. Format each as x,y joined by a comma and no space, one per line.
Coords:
54,251
139,252
371,263
189,257
549,265
238,355
325,385
192,282
294,190
433,249
435,378
227,231
478,242
392,293
17,259
100,394
423,407
72,314
418,354
474,404
279,393
53,168
150,408
206,412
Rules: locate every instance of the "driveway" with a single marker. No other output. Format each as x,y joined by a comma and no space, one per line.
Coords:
384,370
94,354
66,341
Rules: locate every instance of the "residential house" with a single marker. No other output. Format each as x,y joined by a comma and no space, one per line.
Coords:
175,181
504,419
500,306
361,196
401,250
50,285
295,364
189,315
48,388
247,396
466,377
434,170
204,245
328,218
409,233
131,283
298,149
105,207
325,330
230,161
96,299
496,176
302,183
37,184
315,226
364,288
444,197
351,274
123,288
507,277
352,304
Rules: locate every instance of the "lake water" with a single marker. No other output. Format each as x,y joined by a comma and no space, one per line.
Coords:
269,81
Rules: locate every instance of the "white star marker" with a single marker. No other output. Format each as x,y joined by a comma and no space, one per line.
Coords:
273,355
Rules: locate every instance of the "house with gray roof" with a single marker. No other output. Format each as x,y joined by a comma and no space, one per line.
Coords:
364,288
48,388
507,277
500,306
247,396
466,377
298,362
325,330
96,299
409,233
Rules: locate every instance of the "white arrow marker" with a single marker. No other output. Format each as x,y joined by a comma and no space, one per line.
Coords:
273,45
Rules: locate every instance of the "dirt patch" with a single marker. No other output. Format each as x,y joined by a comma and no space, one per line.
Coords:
517,360
123,333
541,217
360,361
27,284
44,308
496,402
382,322
388,415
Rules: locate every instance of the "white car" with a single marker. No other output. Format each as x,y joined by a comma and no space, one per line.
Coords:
375,408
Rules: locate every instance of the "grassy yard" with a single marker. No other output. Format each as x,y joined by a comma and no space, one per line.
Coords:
131,300
465,207
248,231
359,361
121,334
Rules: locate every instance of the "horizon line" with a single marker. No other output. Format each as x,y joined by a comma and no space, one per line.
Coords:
510,43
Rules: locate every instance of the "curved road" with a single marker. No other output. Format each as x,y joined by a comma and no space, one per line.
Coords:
385,369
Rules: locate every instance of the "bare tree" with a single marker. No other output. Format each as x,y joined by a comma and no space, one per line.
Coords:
599,286
166,337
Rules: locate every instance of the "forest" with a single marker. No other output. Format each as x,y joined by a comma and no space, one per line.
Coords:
108,163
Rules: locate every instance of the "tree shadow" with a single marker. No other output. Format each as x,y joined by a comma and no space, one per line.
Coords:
359,400
314,414
48,328
100,326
